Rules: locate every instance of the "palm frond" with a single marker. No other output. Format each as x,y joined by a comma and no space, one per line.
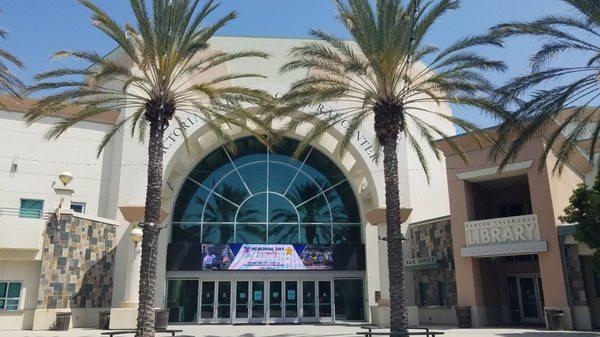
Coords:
378,69
172,73
9,82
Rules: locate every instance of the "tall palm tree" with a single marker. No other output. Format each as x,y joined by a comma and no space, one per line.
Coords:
171,76
377,76
9,83
542,96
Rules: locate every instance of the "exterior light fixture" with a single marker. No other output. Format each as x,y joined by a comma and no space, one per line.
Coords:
136,234
65,178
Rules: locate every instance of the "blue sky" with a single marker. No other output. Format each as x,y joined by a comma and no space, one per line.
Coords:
40,27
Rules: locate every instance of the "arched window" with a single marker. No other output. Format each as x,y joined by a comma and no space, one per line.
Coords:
255,195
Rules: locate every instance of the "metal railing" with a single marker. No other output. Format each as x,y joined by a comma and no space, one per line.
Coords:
28,213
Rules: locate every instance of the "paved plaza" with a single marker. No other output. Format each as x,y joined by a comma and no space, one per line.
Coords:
305,331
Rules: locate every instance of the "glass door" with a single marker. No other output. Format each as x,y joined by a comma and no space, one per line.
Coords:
258,302
324,295
242,302
207,302
291,301
309,301
224,302
275,302
529,296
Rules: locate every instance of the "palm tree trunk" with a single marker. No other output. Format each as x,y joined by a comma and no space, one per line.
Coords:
145,319
398,317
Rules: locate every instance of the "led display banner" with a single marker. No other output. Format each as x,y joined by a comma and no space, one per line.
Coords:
267,257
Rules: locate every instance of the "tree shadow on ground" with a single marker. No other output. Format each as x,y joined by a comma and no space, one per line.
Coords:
546,333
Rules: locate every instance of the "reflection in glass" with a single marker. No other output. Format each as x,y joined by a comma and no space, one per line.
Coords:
346,233
315,234
241,299
221,207
252,195
186,233
207,304
217,233
251,233
275,299
224,300
258,299
324,299
291,299
284,233
308,299
182,300
349,301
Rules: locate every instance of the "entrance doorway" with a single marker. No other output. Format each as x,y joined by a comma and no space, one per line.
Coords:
526,298
215,302
266,301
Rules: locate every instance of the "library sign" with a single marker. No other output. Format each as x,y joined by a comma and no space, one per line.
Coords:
515,235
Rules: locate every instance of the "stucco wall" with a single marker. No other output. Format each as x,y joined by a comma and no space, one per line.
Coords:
39,162
27,272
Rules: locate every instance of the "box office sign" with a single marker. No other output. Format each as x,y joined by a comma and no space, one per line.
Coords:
502,230
420,263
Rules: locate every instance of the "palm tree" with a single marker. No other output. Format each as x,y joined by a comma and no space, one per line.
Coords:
9,83
170,77
378,75
538,99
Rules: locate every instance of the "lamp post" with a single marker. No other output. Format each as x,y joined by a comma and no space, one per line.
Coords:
133,275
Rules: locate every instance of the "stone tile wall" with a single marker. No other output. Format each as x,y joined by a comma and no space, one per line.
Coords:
434,239
77,264
575,274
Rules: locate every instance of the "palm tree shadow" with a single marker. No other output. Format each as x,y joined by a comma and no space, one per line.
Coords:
545,333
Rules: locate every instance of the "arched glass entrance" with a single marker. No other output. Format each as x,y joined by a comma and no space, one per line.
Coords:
286,219
255,195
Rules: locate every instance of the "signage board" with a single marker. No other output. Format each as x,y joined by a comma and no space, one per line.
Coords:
267,257
515,248
420,263
502,230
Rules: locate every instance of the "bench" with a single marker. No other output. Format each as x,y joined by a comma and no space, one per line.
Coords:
388,333
125,332
371,327
370,331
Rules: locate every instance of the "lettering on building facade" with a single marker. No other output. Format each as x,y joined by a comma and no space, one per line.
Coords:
419,261
360,137
502,230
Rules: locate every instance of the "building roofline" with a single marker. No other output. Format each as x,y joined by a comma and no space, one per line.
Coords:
12,104
428,221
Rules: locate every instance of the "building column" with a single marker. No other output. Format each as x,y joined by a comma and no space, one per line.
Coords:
468,277
551,267
380,314
132,283
125,316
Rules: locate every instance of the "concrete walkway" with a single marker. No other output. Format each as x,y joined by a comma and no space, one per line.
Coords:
306,330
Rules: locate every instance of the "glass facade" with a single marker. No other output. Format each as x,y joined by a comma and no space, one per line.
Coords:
182,300
10,296
260,195
349,305
31,208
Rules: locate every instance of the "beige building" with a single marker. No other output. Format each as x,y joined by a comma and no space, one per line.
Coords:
513,257
251,237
